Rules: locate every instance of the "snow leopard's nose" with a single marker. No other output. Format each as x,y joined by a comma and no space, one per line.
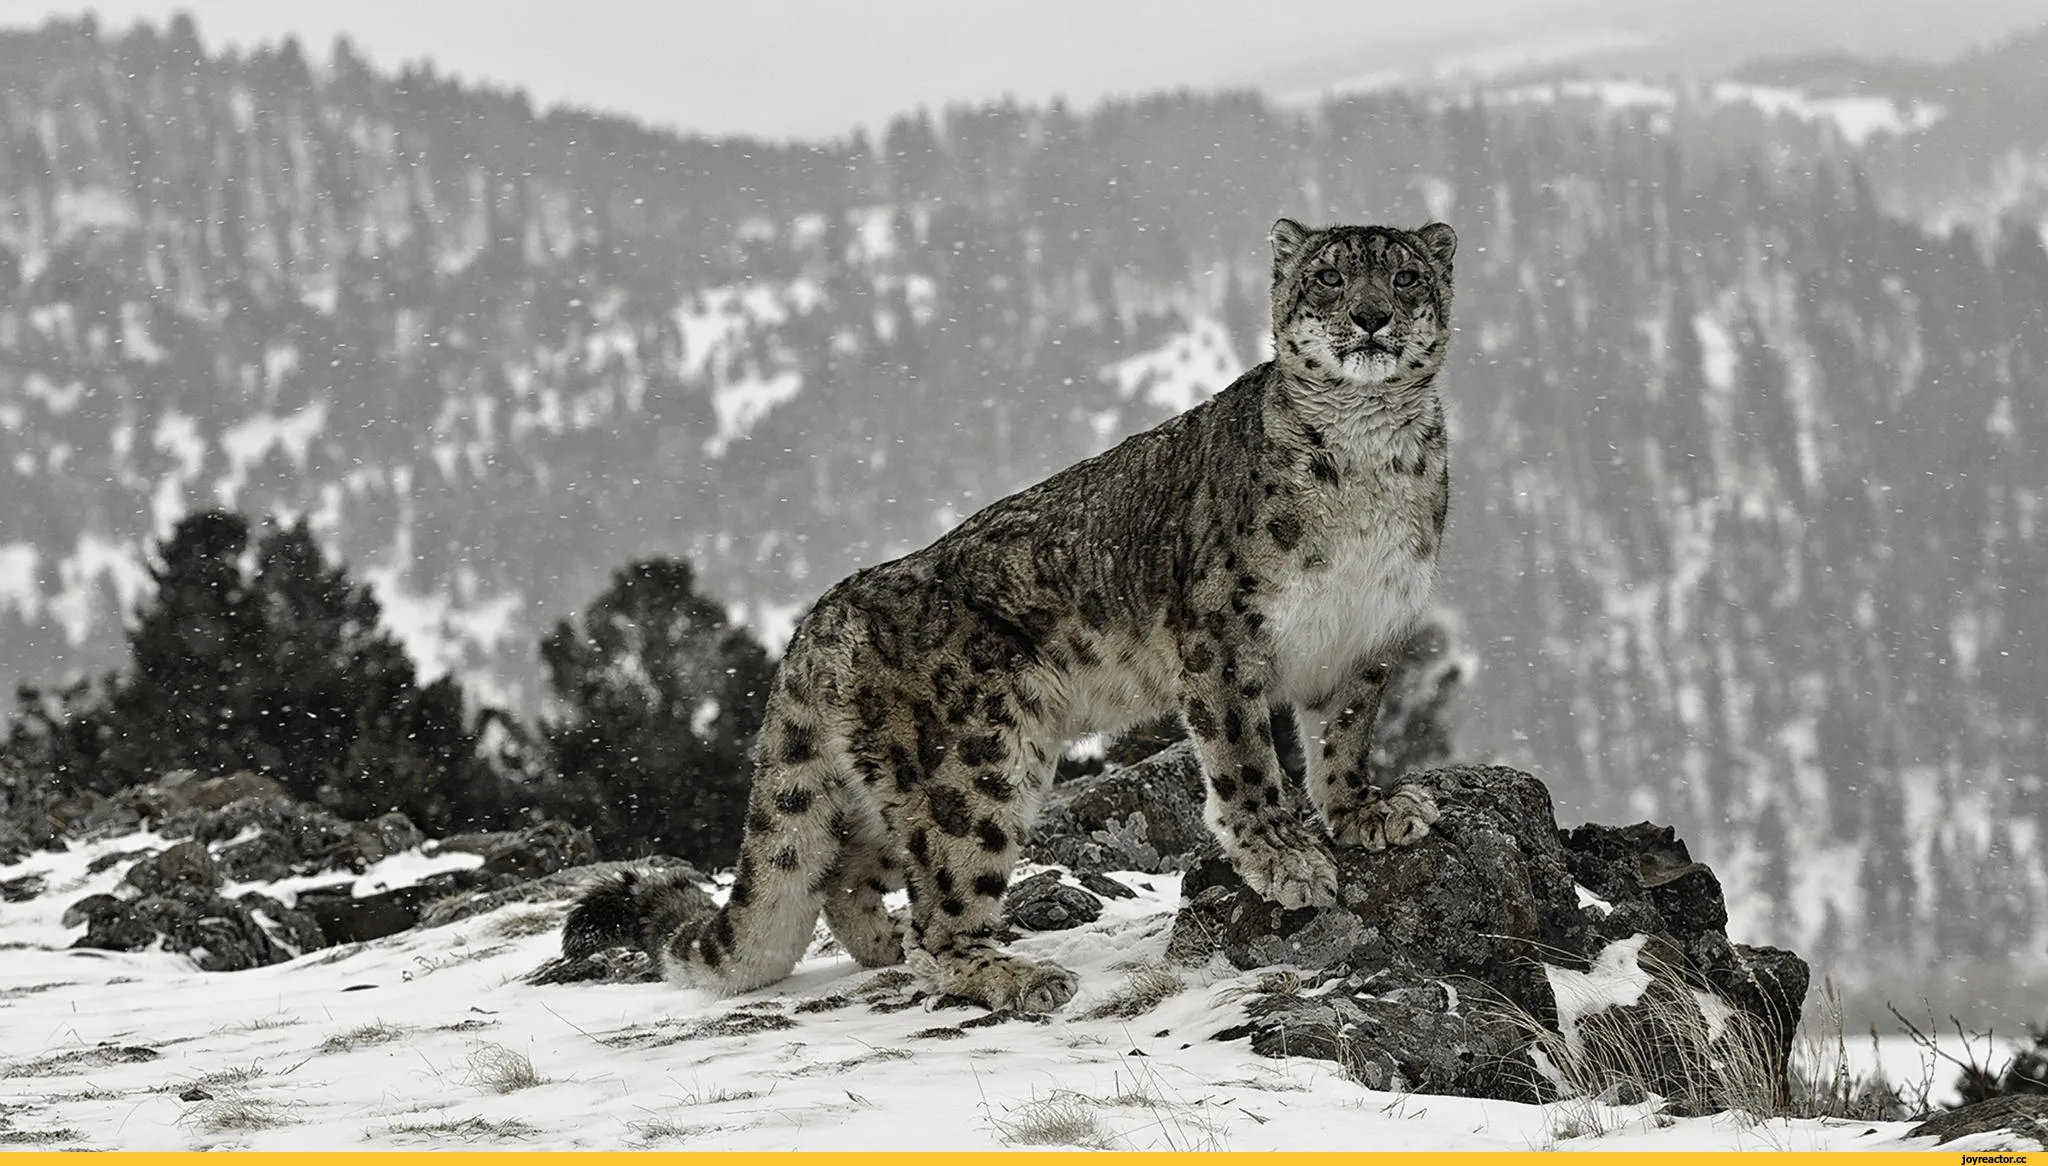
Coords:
1371,318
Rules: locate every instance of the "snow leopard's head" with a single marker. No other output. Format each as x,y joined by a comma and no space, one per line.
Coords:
1361,305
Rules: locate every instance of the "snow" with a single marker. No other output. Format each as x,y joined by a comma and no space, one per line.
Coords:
741,404
178,435
1482,62
1616,980
248,442
37,387
95,559
772,623
1857,117
395,1044
18,587
716,320
136,342
439,630
93,208
1188,369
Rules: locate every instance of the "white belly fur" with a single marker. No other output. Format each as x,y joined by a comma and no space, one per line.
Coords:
1324,622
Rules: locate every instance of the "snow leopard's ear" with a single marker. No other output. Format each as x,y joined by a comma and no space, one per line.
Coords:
1288,239
1441,241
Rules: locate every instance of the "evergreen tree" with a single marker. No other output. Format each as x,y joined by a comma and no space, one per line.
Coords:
663,701
285,670
197,660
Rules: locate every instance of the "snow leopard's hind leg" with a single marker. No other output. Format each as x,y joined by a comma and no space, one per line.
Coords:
869,867
967,823
790,854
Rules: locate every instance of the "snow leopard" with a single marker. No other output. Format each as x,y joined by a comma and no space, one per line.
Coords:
1271,546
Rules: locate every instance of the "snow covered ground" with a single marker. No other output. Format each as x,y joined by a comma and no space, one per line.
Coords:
429,1040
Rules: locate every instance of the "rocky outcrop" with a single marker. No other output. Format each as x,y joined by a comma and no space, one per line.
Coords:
2021,1117
1045,902
1146,816
243,829
512,861
174,900
1501,957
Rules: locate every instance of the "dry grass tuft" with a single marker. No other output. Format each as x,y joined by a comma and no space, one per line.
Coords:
1679,1043
234,1112
468,1129
1147,987
1061,1118
501,1070
11,1136
1070,1117
362,1036
533,921
1824,1086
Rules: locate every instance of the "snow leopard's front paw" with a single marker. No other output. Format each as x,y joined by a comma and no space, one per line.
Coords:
1399,817
1023,986
1288,865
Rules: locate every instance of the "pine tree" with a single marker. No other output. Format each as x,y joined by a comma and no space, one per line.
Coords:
285,670
190,700
663,701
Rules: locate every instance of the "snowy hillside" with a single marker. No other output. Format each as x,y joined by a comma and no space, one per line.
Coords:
429,1040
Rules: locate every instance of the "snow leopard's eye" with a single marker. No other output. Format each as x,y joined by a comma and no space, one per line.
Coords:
1405,278
1328,277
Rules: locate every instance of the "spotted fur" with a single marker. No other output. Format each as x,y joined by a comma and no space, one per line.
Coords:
1273,544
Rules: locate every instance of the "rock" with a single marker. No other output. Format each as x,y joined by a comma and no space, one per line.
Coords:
1444,954
89,908
391,834
1044,903
117,857
217,792
284,838
2022,1115
556,887
553,848
1656,888
1146,816
220,935
529,853
185,871
289,928
265,838
1396,1039
343,917
21,890
1104,886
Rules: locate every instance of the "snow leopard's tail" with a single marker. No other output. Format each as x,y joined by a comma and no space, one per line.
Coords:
655,911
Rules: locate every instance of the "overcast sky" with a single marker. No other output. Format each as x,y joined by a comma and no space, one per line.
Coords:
811,67
817,68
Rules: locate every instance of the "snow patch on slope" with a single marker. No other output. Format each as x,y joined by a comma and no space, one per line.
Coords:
248,442
1189,368
740,405
18,587
378,1046
1857,117
94,560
